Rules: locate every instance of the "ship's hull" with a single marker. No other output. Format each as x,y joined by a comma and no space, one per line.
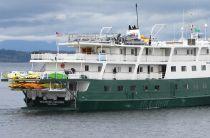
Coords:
142,104
148,94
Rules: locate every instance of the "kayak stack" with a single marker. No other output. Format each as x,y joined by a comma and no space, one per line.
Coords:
35,80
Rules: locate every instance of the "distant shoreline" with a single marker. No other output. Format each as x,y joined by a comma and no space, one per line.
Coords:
13,56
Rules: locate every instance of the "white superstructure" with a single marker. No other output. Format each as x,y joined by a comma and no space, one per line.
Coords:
129,57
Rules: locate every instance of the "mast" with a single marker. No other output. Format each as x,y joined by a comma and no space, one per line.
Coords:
182,28
137,16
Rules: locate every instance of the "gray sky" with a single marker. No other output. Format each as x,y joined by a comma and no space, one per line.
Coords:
38,20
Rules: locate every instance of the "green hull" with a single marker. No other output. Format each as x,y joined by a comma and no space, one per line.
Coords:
103,95
141,104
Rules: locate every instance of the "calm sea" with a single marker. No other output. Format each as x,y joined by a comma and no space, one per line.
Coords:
16,122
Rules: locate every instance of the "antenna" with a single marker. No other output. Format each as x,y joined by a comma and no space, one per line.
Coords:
182,28
137,16
205,25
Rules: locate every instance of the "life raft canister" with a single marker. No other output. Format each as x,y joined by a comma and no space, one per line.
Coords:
62,65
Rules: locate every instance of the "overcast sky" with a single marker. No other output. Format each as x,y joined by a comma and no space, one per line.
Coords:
38,20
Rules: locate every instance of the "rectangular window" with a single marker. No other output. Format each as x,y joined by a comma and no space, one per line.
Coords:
175,52
151,69
193,68
141,69
188,51
120,88
135,51
118,69
173,68
133,88
184,68
203,67
107,88
145,88
157,87
191,51
99,68
207,51
147,51
121,51
86,68
132,51
130,69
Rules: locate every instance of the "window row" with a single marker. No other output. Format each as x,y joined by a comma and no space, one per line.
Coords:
194,86
132,51
184,68
115,69
132,88
192,52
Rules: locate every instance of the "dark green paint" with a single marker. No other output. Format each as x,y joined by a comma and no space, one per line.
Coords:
171,93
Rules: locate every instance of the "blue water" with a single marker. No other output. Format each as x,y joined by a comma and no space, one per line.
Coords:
16,122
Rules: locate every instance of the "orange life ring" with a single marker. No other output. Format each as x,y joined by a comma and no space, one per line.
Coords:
62,65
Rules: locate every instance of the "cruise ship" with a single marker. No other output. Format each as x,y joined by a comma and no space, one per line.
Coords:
119,72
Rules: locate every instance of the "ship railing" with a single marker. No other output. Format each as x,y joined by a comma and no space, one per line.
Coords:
183,58
204,58
154,58
90,38
99,57
43,56
74,76
86,57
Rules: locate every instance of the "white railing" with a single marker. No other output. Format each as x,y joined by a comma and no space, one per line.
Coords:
45,56
74,76
86,57
204,58
151,58
183,58
100,57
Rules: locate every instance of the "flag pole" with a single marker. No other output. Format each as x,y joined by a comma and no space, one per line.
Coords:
57,46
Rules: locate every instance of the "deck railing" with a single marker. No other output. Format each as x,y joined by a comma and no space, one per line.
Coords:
96,57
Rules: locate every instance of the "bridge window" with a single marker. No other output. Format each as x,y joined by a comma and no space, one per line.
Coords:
193,68
120,88
173,68
86,68
184,68
107,88
203,67
133,88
